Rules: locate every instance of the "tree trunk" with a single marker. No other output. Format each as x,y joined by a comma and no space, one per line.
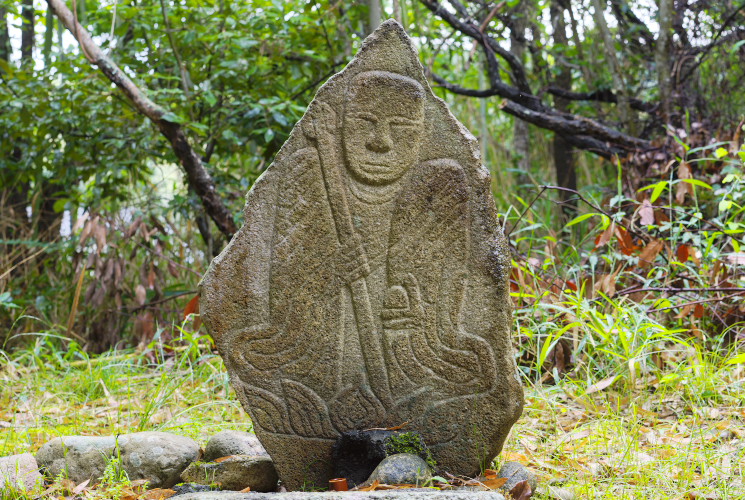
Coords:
375,14
662,55
48,38
619,86
197,176
4,35
563,152
27,32
520,130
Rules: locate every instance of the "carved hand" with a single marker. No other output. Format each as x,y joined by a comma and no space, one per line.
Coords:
352,263
320,124
403,307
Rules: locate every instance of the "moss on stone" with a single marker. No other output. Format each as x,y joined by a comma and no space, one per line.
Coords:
409,442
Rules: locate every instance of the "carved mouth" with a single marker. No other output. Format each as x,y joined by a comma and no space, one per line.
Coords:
375,168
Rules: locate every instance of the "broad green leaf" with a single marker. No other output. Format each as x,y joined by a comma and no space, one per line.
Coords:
580,218
698,183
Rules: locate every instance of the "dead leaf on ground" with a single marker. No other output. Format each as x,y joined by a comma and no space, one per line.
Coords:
650,253
646,213
521,491
603,384
494,483
157,494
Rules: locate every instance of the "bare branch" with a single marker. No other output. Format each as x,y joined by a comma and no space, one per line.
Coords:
199,179
605,95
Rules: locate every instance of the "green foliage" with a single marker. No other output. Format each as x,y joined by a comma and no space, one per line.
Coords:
636,286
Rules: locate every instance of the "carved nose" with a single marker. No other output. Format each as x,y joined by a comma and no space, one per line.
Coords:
380,142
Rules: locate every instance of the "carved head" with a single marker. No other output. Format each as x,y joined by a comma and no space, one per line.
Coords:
382,131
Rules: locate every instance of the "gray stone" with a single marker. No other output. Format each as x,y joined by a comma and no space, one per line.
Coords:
368,285
158,457
226,443
20,472
516,472
402,468
235,473
410,494
356,453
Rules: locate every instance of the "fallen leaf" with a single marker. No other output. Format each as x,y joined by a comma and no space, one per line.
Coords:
557,493
495,483
157,494
698,311
736,258
222,459
521,491
192,307
603,384
650,253
80,487
625,242
683,253
140,294
604,237
646,213
245,490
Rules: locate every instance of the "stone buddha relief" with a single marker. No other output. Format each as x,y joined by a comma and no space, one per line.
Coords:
368,285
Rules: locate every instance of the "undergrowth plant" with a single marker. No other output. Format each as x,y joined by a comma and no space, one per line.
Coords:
636,283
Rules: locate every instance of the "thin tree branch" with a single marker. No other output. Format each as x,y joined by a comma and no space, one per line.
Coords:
196,174
605,95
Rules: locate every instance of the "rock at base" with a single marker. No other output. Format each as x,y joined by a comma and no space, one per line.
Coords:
235,473
402,468
19,471
158,457
226,443
516,472
356,453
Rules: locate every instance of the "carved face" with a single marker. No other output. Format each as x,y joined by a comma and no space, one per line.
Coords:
383,121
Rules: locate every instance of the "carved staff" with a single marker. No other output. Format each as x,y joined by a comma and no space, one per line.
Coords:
321,129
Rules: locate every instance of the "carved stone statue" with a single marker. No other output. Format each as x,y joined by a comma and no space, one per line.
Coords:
368,286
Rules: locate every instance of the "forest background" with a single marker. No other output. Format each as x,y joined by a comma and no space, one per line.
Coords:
613,130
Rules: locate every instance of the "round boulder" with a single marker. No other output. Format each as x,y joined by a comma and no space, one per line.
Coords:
227,443
158,457
19,471
402,468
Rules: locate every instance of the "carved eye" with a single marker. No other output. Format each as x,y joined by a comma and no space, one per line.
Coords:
368,117
401,121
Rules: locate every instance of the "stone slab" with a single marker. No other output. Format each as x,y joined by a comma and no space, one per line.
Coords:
348,495
368,286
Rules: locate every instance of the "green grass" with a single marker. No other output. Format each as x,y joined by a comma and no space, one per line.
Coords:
660,438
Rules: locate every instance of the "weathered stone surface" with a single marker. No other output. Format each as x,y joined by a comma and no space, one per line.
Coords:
403,468
184,488
235,473
516,472
20,471
368,285
226,443
159,457
410,494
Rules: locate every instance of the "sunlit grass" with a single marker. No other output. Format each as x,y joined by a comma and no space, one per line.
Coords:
662,438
